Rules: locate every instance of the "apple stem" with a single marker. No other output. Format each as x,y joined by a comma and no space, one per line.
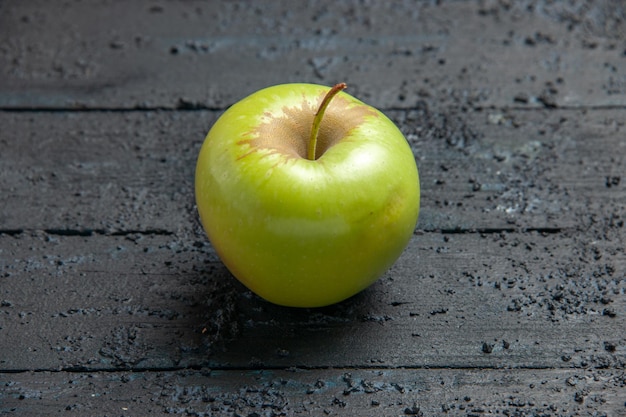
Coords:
317,120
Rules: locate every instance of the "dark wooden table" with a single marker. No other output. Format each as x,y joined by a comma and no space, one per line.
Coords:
509,300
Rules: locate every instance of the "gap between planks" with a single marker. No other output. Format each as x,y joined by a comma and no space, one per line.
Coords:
202,107
82,370
161,232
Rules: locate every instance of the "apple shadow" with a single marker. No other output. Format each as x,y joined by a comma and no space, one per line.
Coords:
269,335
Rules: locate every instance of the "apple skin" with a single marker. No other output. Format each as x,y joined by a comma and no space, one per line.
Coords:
298,232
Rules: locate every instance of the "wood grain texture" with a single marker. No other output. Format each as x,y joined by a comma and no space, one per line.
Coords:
520,300
491,170
192,54
318,393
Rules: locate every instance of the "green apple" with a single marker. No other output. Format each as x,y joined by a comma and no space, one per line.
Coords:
307,194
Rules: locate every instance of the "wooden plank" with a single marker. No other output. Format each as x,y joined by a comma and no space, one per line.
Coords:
104,171
525,300
123,171
362,392
102,54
